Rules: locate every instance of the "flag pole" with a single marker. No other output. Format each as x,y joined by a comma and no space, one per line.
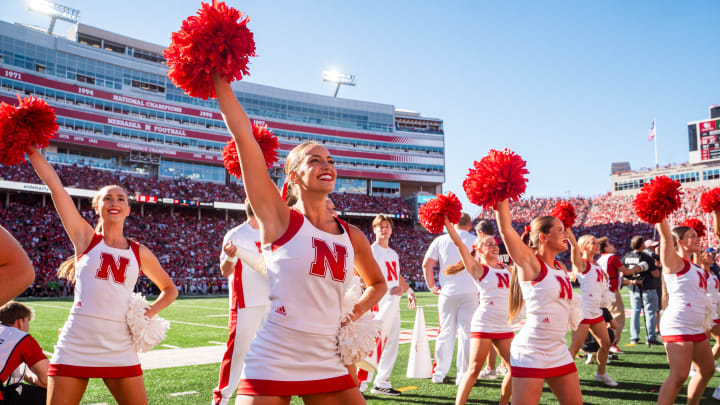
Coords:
656,155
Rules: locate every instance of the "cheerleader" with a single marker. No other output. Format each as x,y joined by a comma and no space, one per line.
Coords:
489,324
593,287
706,260
309,256
686,304
95,341
16,271
539,353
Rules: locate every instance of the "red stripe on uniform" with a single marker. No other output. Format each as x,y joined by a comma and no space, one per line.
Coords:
296,221
530,372
95,240
543,271
226,364
684,270
486,335
684,338
588,321
288,388
66,370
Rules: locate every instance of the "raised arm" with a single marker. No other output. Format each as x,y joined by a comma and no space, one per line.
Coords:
579,265
471,265
671,262
16,271
716,223
368,269
519,252
79,231
270,210
152,268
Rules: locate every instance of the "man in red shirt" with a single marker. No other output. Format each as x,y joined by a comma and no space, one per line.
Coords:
615,270
19,352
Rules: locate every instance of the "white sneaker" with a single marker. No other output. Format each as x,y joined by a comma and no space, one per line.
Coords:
501,371
692,371
590,358
363,386
717,367
605,379
716,394
488,374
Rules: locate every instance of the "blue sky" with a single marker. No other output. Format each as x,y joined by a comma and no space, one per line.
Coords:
570,86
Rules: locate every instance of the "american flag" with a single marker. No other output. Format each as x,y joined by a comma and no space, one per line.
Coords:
651,135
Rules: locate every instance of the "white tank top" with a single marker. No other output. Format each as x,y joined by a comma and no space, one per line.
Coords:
104,279
547,299
494,288
248,288
307,269
592,285
714,290
389,263
687,289
445,252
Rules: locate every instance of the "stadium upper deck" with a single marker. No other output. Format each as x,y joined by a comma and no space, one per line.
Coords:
117,110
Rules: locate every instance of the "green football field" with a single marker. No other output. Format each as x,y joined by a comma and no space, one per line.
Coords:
197,322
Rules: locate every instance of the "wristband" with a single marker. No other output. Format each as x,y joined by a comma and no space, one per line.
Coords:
233,260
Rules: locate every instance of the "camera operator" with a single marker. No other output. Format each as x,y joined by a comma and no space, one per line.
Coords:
643,291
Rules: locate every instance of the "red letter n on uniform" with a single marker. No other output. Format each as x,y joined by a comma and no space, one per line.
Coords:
391,270
109,265
329,259
503,280
565,287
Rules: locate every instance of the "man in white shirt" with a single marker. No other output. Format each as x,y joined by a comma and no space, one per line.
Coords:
389,308
458,299
249,303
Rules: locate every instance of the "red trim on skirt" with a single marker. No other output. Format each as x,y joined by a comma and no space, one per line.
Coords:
66,370
488,335
592,321
699,337
716,320
289,388
529,372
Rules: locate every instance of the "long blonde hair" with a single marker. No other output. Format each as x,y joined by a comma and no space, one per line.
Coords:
538,226
66,269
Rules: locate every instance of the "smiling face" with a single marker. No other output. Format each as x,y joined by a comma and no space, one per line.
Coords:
589,245
690,241
313,169
487,247
111,204
707,258
555,239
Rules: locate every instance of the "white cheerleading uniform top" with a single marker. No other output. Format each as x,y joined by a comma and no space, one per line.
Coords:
389,263
247,287
713,287
445,252
593,287
104,280
687,295
491,316
307,269
547,300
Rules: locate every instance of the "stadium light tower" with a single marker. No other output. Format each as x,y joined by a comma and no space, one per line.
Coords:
55,11
339,78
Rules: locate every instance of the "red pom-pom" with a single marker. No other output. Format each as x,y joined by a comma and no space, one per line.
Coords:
710,200
565,212
695,224
32,123
498,176
213,41
657,199
432,214
268,144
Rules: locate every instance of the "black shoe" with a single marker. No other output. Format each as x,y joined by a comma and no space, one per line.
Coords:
634,341
656,342
384,391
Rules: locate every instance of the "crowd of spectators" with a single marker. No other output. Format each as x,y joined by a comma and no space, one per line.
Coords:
188,244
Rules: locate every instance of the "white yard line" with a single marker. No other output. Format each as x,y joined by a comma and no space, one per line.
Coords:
47,306
216,343
199,324
200,306
216,316
179,394
170,346
48,353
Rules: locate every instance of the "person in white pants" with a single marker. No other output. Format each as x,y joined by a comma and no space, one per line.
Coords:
388,308
456,304
249,303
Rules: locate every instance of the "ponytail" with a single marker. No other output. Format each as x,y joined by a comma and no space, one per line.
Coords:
516,300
